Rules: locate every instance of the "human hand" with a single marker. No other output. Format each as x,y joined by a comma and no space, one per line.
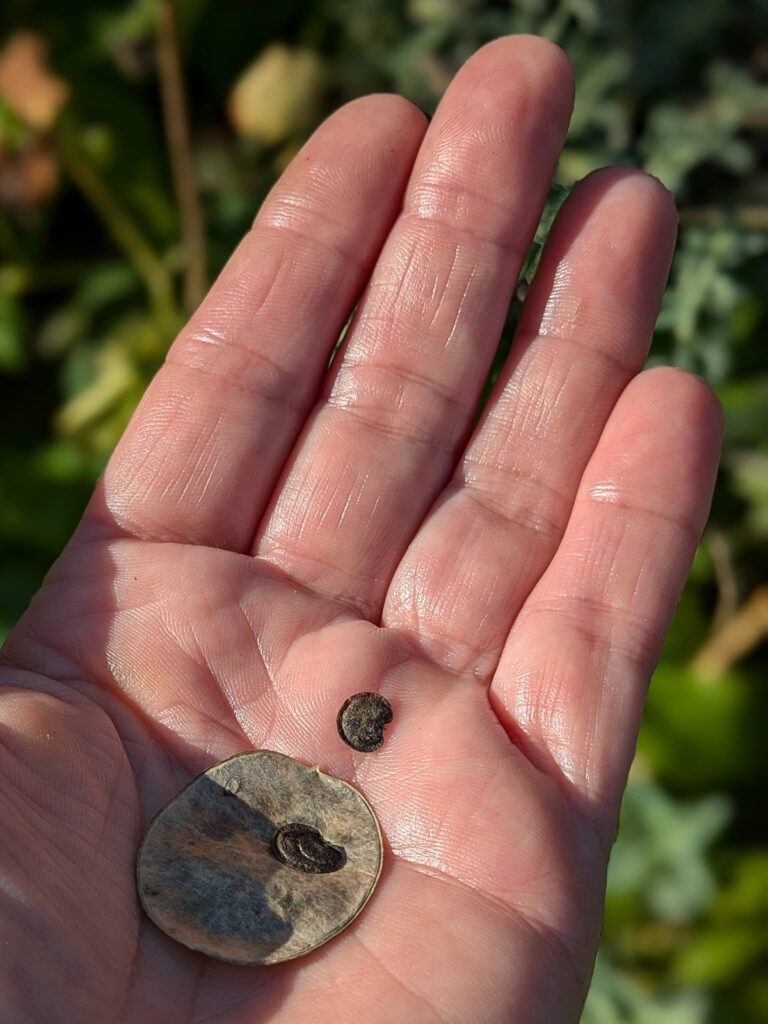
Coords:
269,538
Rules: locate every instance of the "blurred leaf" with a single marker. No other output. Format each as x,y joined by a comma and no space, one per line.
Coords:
700,733
660,855
734,939
114,377
436,11
106,286
744,403
27,85
598,99
124,33
750,481
690,625
14,133
704,293
745,897
719,956
108,384
678,138
615,998
277,96
555,198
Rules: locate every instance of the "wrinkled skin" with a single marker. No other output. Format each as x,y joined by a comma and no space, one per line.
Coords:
270,537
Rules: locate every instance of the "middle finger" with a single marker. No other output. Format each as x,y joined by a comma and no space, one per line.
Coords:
399,400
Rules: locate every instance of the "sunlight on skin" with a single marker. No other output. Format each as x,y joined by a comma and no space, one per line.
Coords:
269,539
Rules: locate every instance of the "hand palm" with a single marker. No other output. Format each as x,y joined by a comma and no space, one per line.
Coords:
450,790
152,652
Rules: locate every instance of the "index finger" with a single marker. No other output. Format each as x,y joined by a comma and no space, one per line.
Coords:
200,457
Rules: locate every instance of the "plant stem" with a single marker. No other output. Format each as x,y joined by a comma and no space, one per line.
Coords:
747,628
720,552
125,234
180,154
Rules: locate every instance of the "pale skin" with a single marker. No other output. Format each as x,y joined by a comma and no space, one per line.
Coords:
271,536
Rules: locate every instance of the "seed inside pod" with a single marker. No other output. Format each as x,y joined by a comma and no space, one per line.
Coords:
217,868
302,847
361,721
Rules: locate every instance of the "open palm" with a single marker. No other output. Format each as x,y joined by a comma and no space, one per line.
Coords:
272,536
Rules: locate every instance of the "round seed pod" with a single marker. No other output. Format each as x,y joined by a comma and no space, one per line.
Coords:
259,859
361,721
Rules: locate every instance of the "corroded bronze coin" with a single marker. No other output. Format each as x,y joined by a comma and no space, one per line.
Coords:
260,859
361,720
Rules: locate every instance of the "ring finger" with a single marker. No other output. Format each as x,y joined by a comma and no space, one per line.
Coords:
583,335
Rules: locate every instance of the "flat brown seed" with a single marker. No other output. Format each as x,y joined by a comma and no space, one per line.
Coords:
302,847
263,870
361,720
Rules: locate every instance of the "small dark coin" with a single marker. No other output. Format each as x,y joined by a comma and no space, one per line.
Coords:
361,721
301,846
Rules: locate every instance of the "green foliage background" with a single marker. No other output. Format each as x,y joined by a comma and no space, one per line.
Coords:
91,294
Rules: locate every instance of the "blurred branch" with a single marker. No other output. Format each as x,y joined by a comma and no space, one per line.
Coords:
747,628
720,552
124,232
180,153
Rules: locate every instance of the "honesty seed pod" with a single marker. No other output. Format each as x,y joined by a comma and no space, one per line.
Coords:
361,721
260,859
